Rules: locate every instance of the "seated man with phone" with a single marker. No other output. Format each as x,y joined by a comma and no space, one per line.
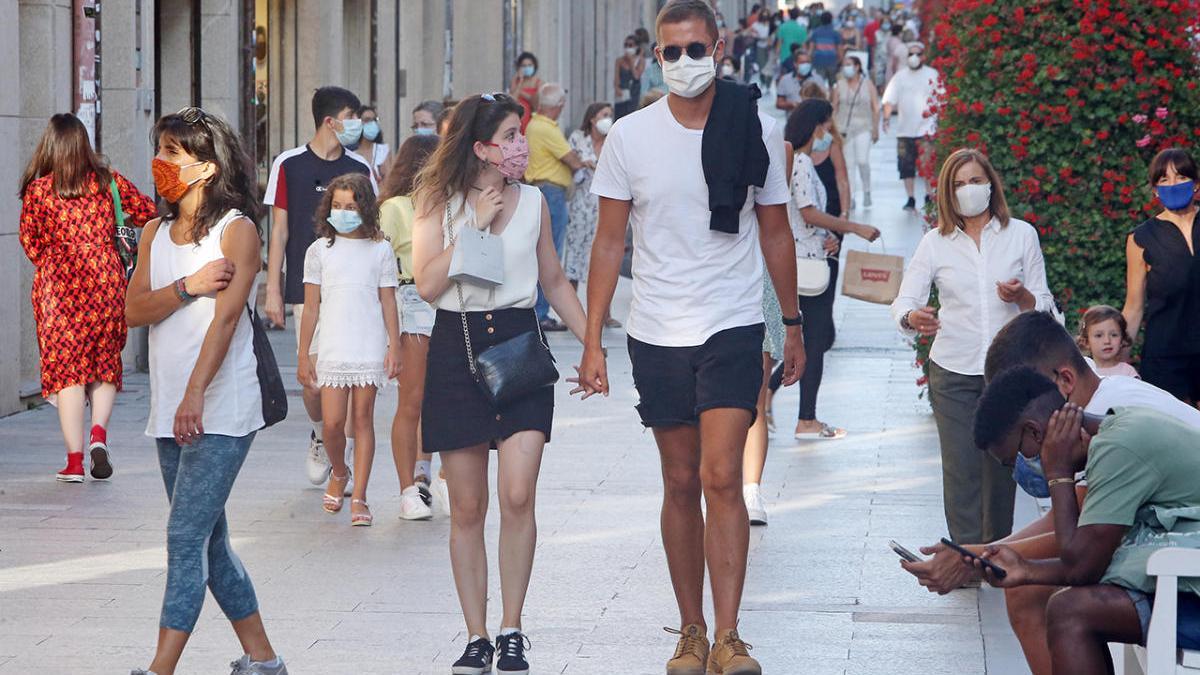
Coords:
1143,474
1036,339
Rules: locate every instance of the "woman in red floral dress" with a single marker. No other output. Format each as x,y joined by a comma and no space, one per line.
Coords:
67,230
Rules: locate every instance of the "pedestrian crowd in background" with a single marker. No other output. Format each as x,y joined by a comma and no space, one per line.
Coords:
436,267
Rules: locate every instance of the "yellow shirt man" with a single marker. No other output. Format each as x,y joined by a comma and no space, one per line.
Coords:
547,147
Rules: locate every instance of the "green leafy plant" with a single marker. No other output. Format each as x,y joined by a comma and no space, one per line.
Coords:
1070,99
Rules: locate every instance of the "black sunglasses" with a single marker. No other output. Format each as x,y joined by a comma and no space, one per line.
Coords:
695,52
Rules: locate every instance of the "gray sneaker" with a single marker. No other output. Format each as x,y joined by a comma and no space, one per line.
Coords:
139,671
244,666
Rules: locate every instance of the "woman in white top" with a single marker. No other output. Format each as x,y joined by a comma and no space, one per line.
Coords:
856,109
370,145
471,181
987,267
195,272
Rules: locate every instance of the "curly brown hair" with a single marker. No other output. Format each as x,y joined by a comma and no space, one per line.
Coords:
364,197
1099,314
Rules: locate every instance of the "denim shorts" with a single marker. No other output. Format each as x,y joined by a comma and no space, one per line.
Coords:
416,315
1187,617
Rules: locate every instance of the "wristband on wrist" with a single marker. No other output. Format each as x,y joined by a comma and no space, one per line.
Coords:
1056,481
797,320
181,290
904,321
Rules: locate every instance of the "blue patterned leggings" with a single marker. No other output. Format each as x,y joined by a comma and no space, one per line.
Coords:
198,478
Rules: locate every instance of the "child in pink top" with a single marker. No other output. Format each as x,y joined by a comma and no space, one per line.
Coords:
1103,336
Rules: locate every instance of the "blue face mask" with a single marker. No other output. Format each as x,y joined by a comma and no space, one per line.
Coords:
370,130
1177,197
344,221
822,144
805,69
1028,473
351,131
425,131
528,71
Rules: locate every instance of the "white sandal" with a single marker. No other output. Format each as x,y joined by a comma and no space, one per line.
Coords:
827,433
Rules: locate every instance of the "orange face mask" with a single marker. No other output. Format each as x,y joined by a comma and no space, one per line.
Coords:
167,180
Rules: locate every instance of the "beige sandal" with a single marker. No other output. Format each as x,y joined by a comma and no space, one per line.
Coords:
332,503
361,519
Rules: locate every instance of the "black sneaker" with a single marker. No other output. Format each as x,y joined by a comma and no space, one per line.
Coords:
476,660
512,648
911,204
928,199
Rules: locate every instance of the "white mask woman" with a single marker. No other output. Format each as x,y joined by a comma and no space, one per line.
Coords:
988,268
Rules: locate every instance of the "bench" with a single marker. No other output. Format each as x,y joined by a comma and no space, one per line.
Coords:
1160,655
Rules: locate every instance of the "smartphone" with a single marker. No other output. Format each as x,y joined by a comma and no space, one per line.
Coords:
997,570
904,553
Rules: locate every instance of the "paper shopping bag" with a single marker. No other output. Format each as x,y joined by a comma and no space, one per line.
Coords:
873,277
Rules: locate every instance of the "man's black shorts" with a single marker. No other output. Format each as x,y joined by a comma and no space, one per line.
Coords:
676,384
907,153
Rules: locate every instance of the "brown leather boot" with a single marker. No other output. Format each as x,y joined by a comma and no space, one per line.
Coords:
691,653
731,656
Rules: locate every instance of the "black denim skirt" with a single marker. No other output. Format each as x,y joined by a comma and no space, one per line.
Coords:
456,413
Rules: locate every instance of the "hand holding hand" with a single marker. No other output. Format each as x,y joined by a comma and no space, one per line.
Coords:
591,375
487,205
213,277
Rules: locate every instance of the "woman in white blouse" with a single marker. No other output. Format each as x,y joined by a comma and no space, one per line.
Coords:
988,268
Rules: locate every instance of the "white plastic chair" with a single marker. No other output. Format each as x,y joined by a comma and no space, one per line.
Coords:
1160,656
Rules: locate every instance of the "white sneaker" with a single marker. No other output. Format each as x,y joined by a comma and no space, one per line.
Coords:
755,507
317,464
411,505
442,494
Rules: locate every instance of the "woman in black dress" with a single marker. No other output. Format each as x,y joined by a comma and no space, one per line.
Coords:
1163,280
471,181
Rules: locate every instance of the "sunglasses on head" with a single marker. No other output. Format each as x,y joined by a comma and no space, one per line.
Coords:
695,52
495,96
192,114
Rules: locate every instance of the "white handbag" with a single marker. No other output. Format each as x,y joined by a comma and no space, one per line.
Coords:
812,276
478,256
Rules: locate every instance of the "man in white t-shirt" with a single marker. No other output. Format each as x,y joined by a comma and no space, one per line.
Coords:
696,324
912,92
1036,339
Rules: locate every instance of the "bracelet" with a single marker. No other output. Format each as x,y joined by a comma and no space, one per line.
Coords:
181,290
797,320
1058,481
904,321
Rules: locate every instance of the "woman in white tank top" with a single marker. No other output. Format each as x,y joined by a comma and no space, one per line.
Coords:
196,269
470,182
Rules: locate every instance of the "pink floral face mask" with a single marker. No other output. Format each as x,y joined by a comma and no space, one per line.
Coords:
514,157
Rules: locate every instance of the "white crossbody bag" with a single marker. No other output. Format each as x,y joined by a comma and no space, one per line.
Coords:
478,256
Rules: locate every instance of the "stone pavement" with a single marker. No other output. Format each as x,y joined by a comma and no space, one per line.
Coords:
82,566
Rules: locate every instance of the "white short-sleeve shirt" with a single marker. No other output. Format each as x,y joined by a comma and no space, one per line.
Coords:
913,92
689,282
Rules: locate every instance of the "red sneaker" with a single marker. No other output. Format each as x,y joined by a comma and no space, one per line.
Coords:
101,466
74,471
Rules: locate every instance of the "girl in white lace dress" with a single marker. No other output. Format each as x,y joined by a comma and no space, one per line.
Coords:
350,290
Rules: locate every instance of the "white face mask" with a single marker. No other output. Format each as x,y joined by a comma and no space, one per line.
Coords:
689,77
727,70
973,199
604,125
849,71
914,61
630,51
